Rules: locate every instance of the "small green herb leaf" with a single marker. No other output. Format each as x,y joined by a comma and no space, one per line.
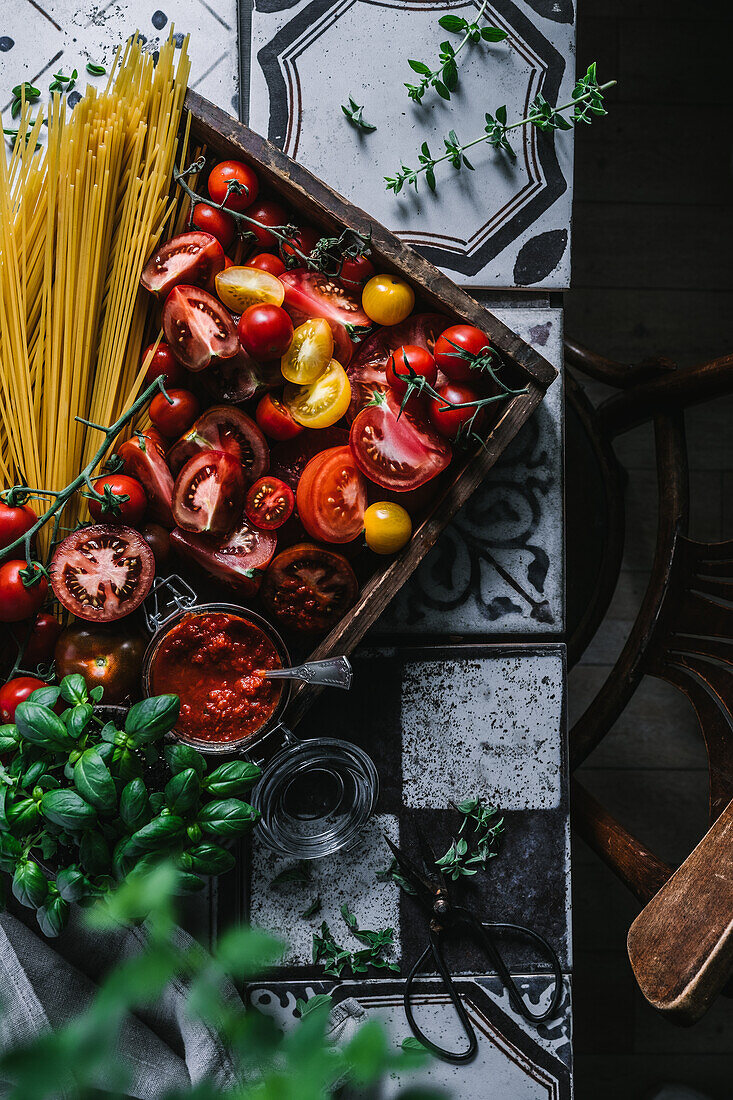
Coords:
354,113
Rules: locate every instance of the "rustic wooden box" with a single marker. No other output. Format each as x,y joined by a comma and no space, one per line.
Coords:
322,207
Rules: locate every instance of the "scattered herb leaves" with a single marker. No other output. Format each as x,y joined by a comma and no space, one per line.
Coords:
355,115
444,79
95,70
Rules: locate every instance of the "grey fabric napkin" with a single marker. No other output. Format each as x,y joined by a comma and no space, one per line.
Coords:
43,982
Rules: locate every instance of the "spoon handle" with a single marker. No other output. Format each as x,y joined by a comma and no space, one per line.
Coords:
333,672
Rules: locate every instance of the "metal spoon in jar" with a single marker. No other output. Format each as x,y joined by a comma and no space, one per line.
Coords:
333,672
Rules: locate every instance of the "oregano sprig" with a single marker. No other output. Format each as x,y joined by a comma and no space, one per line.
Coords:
445,78
355,115
586,103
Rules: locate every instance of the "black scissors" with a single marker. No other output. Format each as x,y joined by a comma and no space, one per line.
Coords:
433,894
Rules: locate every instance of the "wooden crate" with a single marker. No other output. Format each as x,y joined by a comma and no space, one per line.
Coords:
227,138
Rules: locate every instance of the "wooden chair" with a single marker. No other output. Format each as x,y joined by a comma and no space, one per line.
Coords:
681,944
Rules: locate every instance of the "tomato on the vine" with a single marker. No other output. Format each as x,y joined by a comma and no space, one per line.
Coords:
174,414
163,363
40,645
15,692
356,271
332,496
387,299
449,421
304,240
387,527
267,215
128,511
275,420
240,173
18,599
15,520
265,331
270,503
217,222
408,358
395,447
267,261
450,345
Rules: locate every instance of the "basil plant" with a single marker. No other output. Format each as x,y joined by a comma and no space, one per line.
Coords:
84,804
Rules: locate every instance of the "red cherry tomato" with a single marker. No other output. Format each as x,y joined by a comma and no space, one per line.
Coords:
304,240
15,520
270,503
174,419
159,541
41,644
14,693
193,257
217,222
198,327
163,363
367,369
275,420
449,421
130,511
18,600
265,331
410,357
266,214
242,174
267,261
451,343
356,271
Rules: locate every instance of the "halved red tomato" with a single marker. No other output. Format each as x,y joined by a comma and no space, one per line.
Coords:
239,559
332,496
397,449
208,496
270,503
289,459
144,458
232,380
224,428
312,294
367,369
308,588
275,420
193,257
198,328
102,573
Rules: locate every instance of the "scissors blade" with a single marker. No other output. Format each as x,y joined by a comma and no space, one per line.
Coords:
424,889
429,859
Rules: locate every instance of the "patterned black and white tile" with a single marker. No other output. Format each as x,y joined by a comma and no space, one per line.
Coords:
39,39
498,568
505,224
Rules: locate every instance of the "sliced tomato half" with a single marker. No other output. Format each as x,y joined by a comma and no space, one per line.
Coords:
102,573
144,458
367,369
198,328
232,380
308,588
239,560
270,503
312,294
394,449
224,428
194,257
332,496
208,496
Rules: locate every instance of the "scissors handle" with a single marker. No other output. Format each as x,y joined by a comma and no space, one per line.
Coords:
455,1056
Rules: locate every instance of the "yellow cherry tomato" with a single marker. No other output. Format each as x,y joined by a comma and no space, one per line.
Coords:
323,402
242,287
310,352
387,299
387,527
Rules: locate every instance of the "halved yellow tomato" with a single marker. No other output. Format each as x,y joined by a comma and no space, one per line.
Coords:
242,287
310,352
323,402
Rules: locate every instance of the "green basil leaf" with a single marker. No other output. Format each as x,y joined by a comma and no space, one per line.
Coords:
188,884
40,726
23,816
123,857
234,778
8,738
10,851
5,800
126,764
93,781
105,750
74,689
134,807
180,757
68,809
210,859
30,885
109,732
182,791
45,696
159,833
150,719
94,854
228,817
96,693
52,916
33,774
72,884
78,718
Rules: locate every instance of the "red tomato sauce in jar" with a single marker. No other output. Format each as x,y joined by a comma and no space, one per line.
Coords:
211,661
